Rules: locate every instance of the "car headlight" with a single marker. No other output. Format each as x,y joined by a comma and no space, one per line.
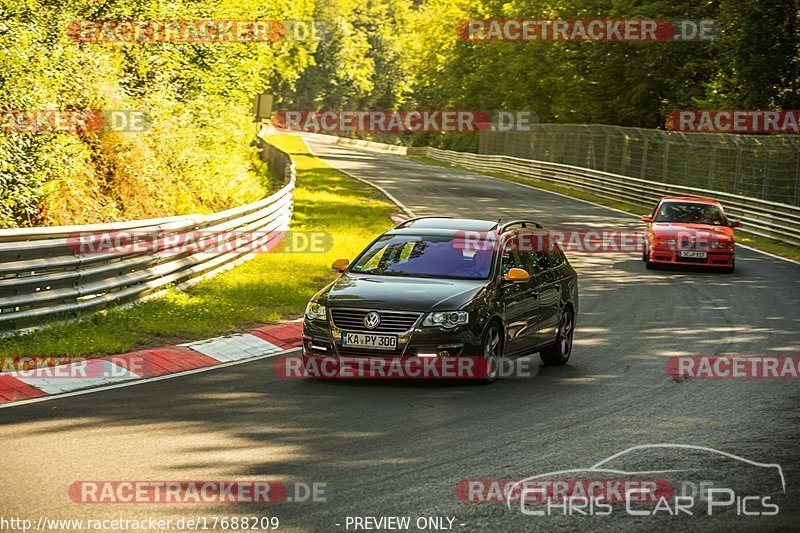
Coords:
315,311
446,319
720,244
667,242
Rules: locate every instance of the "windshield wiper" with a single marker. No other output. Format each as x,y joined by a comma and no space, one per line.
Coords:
396,274
376,273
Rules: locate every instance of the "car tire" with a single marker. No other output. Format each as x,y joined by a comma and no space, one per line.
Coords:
558,353
729,270
492,352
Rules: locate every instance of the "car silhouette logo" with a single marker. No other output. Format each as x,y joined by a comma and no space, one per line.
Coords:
608,466
372,320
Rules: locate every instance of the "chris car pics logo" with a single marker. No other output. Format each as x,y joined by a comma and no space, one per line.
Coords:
656,480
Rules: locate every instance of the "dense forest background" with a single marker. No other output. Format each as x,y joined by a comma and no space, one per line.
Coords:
374,54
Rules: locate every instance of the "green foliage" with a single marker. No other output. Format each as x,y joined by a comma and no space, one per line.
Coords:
759,54
752,64
606,82
266,289
197,155
373,54
361,62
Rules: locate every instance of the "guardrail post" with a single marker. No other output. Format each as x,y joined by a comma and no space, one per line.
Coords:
797,179
711,163
643,173
737,173
624,164
686,166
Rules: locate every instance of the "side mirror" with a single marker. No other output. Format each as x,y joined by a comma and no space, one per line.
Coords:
340,265
517,275
647,218
735,223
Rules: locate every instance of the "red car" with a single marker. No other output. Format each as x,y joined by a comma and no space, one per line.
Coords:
684,230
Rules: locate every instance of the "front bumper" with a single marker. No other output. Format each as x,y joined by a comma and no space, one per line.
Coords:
322,339
714,258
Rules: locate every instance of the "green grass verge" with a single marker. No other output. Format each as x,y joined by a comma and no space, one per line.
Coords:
761,243
266,289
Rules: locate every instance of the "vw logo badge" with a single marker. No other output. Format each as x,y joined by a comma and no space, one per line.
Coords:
372,320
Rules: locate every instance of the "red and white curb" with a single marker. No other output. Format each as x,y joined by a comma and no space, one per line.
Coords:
126,368
156,363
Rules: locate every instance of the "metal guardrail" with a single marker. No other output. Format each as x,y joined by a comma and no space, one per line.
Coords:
766,167
759,217
44,276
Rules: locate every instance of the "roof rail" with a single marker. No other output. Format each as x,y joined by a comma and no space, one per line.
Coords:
403,223
521,223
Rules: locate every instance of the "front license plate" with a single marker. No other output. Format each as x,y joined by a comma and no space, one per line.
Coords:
365,340
697,255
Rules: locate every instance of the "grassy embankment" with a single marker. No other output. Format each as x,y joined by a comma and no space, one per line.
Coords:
266,289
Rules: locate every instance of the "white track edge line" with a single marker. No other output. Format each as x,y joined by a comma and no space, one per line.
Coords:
383,191
143,380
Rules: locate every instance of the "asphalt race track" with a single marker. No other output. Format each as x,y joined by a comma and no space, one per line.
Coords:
401,448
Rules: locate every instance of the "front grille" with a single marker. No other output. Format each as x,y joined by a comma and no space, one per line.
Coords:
686,244
349,351
391,321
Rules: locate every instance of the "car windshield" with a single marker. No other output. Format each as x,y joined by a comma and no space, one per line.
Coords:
692,213
423,256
